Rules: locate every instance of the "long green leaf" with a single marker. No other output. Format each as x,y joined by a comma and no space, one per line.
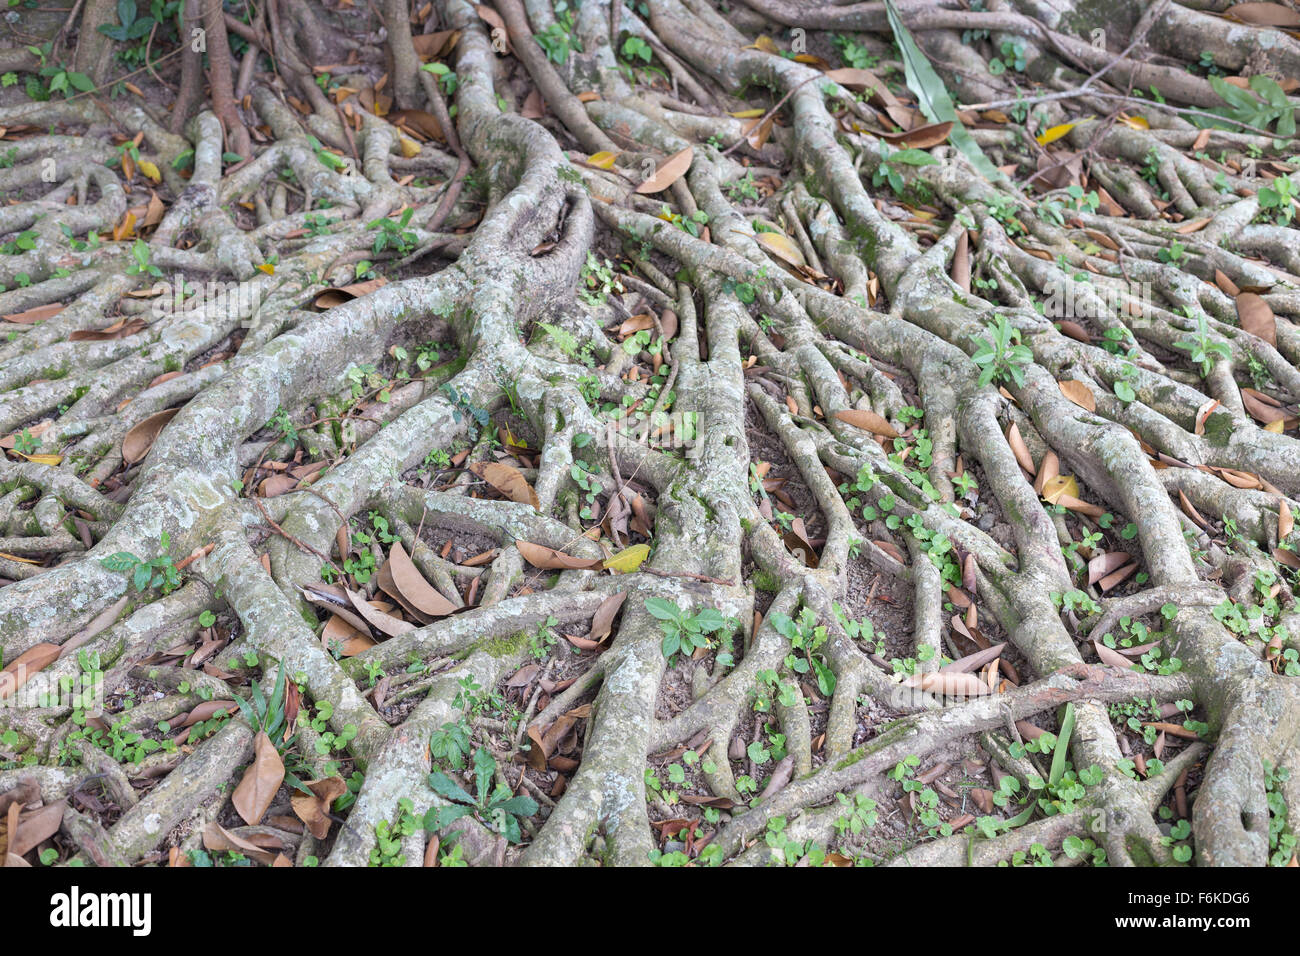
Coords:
932,96
1062,746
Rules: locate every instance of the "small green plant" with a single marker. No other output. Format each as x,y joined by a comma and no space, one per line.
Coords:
1277,200
692,225
1012,58
1203,347
635,48
389,836
891,162
498,809
1175,253
447,78
463,410
597,280
140,264
1264,103
743,188
25,443
394,234
558,39
1281,841
282,423
1001,357
450,746
59,79
264,714
158,572
853,53
1081,201
805,637
685,632
859,814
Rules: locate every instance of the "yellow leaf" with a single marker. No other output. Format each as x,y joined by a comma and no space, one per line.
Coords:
410,148
1056,132
766,44
781,246
748,114
1136,122
150,170
602,160
629,559
14,557
1277,426
1060,485
42,459
268,268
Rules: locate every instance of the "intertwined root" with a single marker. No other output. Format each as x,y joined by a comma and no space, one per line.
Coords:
810,355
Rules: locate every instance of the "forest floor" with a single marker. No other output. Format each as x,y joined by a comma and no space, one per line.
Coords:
649,432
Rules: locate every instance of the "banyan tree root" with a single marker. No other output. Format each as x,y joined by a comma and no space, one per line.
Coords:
790,359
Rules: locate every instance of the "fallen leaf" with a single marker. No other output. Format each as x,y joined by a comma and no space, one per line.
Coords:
379,620
602,622
252,798
1104,564
1060,485
1019,448
507,480
868,421
35,827
948,684
331,297
961,262
781,246
313,808
1264,15
540,556
349,639
973,662
217,837
418,121
118,330
1226,285
1191,512
38,314
1111,657
31,661
141,436
1053,133
671,170
1256,317
1116,577
628,560
922,137
1079,393
404,582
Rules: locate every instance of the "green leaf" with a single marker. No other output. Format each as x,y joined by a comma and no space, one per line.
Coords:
933,98
662,609
439,817
444,786
1062,745
121,561
519,806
